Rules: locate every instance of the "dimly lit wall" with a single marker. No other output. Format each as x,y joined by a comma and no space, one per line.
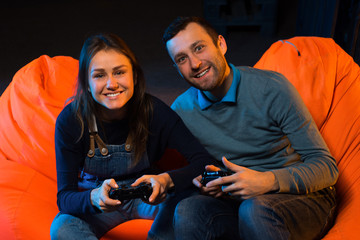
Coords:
29,29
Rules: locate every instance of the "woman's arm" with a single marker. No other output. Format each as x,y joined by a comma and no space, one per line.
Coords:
69,158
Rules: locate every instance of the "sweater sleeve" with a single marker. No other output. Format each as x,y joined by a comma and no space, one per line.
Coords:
317,168
69,159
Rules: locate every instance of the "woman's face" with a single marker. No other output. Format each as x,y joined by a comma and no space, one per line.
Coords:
111,82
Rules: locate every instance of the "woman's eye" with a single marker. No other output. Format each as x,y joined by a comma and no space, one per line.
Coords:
99,75
119,73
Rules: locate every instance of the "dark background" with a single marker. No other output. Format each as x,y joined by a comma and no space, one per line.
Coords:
29,29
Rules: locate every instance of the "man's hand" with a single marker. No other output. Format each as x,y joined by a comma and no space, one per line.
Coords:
160,185
245,183
100,196
214,191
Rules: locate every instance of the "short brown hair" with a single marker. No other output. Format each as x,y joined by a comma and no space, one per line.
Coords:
180,24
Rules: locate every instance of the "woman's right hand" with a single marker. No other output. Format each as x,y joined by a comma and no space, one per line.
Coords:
100,196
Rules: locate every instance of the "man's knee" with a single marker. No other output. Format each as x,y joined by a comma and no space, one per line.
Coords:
254,211
258,218
256,207
187,208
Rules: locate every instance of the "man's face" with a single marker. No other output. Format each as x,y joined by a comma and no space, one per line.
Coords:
198,59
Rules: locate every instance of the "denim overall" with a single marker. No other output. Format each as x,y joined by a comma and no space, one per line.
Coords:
110,161
105,162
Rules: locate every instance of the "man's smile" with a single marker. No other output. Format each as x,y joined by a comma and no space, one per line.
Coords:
202,73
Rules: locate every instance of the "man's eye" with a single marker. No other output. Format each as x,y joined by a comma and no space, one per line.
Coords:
180,60
198,48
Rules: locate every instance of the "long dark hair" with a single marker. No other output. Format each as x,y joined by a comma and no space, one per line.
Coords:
139,106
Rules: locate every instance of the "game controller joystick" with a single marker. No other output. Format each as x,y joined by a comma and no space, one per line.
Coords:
208,176
126,192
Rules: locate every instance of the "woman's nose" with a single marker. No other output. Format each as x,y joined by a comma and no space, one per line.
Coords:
112,84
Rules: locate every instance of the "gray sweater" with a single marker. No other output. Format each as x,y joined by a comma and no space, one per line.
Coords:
263,124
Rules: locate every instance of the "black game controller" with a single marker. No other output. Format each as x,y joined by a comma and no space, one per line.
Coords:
208,176
126,192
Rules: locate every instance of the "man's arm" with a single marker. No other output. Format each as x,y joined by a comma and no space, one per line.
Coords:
317,168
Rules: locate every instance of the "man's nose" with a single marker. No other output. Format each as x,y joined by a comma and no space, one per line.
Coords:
195,62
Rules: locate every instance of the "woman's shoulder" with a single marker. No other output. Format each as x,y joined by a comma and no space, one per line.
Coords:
162,111
160,106
67,116
155,100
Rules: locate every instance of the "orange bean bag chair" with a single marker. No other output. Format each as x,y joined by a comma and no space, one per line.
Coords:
328,80
326,77
28,108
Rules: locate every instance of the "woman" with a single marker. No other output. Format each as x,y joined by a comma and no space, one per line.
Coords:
111,134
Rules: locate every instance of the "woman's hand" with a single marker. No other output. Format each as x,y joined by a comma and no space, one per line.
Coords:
160,185
100,196
214,191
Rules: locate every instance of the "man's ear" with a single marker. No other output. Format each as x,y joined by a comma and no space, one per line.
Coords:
222,44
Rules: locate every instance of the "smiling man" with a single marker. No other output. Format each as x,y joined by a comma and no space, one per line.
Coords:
281,186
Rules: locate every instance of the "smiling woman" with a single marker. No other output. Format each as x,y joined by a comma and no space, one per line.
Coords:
111,82
134,131
101,54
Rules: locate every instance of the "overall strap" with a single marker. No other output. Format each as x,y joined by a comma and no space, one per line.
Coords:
94,137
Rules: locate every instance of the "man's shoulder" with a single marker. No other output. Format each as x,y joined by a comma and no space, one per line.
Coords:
262,79
186,99
246,71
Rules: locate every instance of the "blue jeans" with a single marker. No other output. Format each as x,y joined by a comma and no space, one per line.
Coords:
269,216
114,163
66,226
162,227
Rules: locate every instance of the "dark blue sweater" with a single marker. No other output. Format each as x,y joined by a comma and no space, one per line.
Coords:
167,130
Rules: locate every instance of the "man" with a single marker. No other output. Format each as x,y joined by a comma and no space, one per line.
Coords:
281,186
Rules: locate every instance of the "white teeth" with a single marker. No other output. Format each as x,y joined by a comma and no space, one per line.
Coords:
112,94
202,74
